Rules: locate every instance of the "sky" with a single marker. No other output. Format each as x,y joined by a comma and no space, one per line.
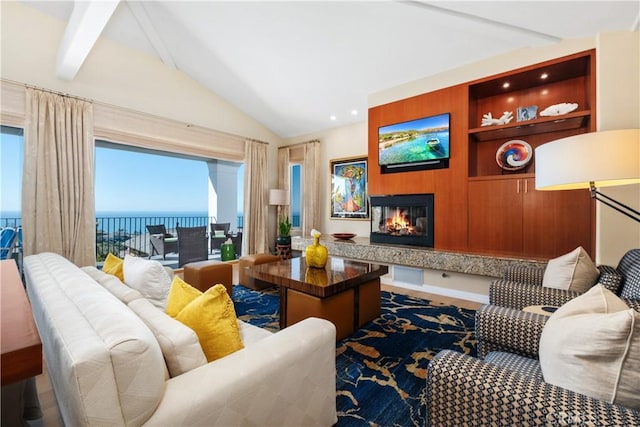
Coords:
126,181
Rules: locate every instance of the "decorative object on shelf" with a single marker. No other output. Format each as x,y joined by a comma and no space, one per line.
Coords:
488,120
279,198
559,109
514,155
527,113
343,236
349,195
316,254
591,160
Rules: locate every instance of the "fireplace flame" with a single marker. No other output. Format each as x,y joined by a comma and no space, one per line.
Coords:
399,223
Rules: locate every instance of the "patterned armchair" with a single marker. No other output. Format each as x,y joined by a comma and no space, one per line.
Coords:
506,387
521,286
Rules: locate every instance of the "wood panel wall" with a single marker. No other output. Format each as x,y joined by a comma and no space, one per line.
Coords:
449,186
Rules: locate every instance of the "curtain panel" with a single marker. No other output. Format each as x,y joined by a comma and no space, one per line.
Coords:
58,208
284,172
311,187
255,199
308,154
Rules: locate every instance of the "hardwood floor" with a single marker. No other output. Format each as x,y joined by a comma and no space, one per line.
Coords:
51,416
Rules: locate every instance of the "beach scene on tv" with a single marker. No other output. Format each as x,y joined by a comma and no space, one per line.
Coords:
414,141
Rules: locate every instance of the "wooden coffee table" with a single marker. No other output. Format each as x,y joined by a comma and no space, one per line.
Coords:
344,292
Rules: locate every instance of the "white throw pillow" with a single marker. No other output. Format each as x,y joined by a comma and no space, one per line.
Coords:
574,271
591,345
180,346
149,278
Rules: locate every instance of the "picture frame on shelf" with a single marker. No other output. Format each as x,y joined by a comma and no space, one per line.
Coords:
527,113
349,193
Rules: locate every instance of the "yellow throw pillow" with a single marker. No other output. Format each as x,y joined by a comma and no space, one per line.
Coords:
180,294
113,265
213,319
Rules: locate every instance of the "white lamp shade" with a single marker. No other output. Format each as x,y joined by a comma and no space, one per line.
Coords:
278,197
605,158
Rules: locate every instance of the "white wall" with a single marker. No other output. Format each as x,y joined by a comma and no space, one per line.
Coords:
114,74
346,141
618,99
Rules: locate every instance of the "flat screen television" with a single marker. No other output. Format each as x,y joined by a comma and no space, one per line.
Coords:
414,145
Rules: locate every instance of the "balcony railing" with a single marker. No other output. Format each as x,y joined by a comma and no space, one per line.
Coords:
119,235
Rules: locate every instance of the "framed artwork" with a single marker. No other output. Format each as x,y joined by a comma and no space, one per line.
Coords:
349,194
527,113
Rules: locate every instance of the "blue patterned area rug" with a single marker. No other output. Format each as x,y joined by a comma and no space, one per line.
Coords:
381,368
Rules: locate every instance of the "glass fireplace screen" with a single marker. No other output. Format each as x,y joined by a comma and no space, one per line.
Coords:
402,219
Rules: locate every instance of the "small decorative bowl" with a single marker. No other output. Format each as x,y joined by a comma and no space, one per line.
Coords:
343,236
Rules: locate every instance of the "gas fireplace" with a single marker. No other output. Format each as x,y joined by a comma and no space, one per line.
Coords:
405,219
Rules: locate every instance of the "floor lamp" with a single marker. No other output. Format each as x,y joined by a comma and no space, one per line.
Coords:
279,198
591,160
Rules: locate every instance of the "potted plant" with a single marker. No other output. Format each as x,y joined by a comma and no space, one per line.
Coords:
284,231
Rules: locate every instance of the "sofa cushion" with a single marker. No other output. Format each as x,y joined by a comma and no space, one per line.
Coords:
591,345
113,265
573,271
113,284
213,318
148,277
180,294
180,346
251,334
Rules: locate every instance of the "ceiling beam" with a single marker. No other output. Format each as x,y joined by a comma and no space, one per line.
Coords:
475,18
87,21
141,15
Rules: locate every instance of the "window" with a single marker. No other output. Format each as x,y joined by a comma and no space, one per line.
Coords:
11,153
296,194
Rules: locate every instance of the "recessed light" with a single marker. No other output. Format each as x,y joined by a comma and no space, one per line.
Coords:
333,118
506,85
354,112
544,76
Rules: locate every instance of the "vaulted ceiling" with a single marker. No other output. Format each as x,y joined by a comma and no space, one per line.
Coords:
292,65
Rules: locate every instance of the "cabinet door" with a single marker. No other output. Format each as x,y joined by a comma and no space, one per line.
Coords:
495,216
555,222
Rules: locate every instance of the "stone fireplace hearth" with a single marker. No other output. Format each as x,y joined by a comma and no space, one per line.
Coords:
405,219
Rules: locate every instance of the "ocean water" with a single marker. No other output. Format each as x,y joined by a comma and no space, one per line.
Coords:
134,222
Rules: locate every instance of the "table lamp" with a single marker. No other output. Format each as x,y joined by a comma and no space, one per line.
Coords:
591,160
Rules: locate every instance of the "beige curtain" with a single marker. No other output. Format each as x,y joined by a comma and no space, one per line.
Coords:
255,199
58,210
311,185
284,178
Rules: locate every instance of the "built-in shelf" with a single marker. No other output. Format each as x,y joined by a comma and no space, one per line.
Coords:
574,120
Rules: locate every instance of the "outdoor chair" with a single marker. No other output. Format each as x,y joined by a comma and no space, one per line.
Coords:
192,245
522,286
162,242
8,238
505,384
218,235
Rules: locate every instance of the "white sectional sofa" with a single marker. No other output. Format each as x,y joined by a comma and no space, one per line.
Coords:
107,355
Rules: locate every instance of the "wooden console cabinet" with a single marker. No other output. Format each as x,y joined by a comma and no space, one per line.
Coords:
506,215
